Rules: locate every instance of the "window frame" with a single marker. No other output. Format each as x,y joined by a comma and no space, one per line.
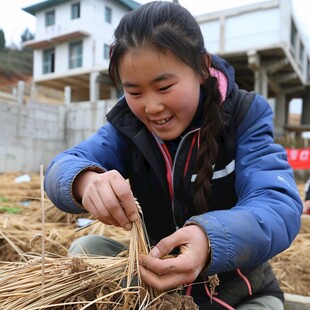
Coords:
50,18
106,51
48,64
75,59
108,14
75,8
293,37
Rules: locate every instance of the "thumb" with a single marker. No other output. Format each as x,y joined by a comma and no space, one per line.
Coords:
166,245
155,252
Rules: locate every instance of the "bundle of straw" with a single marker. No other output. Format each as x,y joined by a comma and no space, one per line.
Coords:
85,282
46,281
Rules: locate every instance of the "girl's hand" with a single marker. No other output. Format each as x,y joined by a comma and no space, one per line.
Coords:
107,196
168,273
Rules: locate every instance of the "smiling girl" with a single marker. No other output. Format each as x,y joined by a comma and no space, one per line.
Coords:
199,155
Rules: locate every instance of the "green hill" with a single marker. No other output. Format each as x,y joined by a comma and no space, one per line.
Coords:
15,62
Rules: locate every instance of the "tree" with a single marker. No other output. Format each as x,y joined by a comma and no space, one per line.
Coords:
27,35
2,39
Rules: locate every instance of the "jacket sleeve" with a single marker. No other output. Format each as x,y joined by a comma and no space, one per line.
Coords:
267,216
105,150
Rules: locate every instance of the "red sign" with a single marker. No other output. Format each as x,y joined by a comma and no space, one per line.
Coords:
299,158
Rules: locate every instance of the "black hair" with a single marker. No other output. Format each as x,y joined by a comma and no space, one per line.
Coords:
169,27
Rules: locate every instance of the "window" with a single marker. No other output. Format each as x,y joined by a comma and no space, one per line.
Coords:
106,51
49,18
49,61
108,15
75,55
75,10
301,53
293,36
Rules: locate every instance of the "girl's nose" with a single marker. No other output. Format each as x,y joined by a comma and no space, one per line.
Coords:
153,105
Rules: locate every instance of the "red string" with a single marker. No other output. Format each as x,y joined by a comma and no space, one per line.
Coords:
220,302
247,282
189,290
190,153
168,161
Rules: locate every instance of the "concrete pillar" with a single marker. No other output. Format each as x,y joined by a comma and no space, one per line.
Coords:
113,93
305,116
261,82
260,73
94,86
20,92
280,114
33,92
67,95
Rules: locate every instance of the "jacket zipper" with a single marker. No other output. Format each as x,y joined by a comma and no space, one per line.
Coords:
170,166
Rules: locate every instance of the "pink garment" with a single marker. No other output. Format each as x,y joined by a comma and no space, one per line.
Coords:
222,81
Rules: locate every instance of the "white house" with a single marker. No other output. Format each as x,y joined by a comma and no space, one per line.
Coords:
265,44
71,45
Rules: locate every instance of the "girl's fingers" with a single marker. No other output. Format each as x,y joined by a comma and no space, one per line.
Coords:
125,197
100,214
164,282
166,266
166,273
107,197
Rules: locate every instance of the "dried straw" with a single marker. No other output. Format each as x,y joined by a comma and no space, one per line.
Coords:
61,282
292,267
83,282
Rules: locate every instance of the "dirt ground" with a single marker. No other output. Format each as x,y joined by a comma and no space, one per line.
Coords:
21,226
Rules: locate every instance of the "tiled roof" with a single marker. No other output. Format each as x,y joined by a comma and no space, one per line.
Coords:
33,9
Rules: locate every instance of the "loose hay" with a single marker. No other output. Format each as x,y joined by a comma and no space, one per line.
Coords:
17,231
85,282
292,267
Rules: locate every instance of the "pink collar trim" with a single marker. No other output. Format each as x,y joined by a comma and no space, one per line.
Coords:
222,82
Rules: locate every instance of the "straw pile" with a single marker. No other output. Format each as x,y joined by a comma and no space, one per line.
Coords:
50,281
84,282
21,226
21,220
292,267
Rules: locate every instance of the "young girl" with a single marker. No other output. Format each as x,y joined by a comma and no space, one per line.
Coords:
214,188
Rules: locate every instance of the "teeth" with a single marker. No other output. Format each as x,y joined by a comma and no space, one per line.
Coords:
163,121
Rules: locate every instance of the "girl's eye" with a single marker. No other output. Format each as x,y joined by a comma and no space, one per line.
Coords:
134,94
165,88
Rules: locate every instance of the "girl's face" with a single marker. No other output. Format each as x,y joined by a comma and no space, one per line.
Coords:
161,91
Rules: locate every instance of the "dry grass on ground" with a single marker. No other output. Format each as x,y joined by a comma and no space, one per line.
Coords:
21,225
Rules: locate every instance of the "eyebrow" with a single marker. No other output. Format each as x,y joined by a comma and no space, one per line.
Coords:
162,77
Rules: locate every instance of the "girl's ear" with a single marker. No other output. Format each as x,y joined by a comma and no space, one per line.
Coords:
208,60
206,66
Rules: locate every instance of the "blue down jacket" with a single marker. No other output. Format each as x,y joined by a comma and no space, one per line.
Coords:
255,207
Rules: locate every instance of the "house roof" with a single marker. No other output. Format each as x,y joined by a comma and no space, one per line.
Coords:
64,37
33,9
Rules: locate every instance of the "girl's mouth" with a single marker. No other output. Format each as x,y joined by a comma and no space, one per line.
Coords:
163,121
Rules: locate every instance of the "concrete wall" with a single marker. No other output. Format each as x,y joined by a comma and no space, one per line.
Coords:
33,133
84,119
